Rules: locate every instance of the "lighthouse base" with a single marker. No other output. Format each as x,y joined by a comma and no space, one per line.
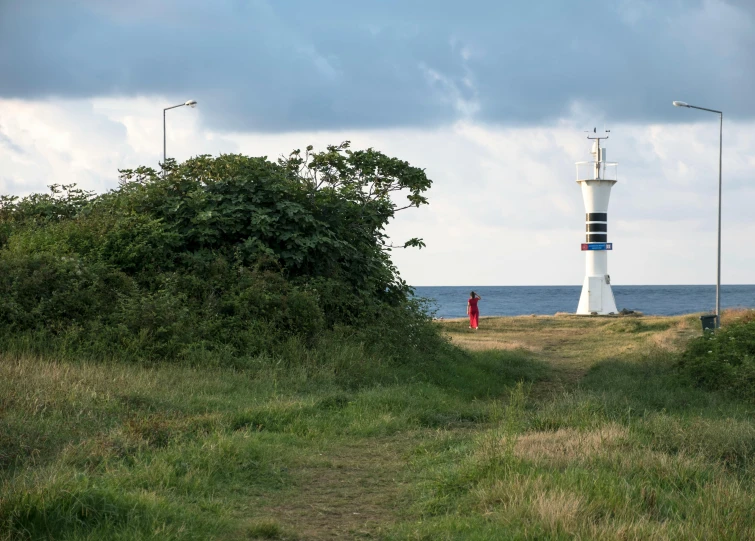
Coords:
597,297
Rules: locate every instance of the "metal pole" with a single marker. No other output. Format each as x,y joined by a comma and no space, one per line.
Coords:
720,153
718,274
165,152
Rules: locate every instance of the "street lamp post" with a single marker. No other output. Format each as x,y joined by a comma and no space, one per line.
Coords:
720,152
190,103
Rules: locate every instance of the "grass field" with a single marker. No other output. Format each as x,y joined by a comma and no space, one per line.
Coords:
546,428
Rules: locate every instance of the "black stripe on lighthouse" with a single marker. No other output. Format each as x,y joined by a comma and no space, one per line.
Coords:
596,228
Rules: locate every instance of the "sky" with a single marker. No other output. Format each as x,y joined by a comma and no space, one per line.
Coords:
491,98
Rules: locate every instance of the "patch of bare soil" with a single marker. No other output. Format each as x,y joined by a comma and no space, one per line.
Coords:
353,491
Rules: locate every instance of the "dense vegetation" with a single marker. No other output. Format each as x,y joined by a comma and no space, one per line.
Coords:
725,359
216,260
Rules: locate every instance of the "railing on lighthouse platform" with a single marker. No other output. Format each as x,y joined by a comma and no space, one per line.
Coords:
598,170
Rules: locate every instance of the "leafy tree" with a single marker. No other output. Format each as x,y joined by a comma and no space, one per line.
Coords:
64,202
232,252
318,214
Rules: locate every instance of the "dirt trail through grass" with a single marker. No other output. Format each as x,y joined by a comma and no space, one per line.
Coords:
570,345
358,487
352,490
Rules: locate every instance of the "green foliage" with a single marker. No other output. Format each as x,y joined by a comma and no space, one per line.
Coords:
724,359
64,201
228,258
46,291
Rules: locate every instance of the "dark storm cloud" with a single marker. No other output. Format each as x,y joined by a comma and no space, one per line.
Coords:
292,64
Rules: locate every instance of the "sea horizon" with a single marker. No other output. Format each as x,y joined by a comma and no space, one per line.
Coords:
667,300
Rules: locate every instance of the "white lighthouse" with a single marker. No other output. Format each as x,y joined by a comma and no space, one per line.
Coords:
596,178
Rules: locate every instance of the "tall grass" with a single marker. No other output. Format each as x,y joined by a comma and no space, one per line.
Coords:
491,444
634,451
112,450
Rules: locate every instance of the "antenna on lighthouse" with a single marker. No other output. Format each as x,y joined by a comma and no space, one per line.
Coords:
595,131
599,154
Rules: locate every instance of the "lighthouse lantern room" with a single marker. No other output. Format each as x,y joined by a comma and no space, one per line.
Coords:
596,179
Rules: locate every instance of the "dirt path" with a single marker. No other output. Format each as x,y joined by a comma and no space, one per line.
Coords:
569,344
356,489
353,491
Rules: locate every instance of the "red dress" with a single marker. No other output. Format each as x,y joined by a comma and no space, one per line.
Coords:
474,312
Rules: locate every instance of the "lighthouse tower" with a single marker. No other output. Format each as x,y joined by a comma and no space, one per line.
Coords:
596,178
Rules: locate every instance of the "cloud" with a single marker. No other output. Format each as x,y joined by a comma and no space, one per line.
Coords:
8,143
294,65
504,206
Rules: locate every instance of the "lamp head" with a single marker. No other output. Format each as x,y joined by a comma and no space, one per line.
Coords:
191,103
680,104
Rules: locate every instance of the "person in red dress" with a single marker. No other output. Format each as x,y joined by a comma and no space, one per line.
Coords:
472,311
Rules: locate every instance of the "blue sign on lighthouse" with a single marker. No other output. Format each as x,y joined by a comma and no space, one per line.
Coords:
597,246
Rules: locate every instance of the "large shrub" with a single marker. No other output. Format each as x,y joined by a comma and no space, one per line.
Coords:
230,254
724,359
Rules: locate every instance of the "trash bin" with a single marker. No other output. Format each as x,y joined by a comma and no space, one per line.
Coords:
709,322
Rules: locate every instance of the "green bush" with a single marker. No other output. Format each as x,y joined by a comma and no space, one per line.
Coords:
724,359
214,260
46,290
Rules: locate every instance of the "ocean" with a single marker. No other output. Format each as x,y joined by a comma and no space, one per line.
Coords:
451,301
